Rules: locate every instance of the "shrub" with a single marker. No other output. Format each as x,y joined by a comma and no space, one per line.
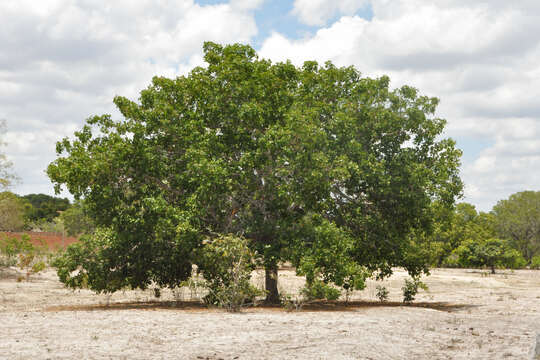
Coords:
22,253
535,262
86,264
226,263
491,253
11,247
382,293
290,302
318,290
411,287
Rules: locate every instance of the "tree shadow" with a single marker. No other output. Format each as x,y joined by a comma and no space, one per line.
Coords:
322,306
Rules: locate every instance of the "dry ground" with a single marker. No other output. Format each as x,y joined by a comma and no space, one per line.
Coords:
464,315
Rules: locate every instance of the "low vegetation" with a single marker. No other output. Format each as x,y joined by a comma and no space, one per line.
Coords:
22,253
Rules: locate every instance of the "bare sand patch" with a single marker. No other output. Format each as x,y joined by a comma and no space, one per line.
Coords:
464,315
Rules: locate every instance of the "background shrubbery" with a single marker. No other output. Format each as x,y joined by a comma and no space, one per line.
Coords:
20,252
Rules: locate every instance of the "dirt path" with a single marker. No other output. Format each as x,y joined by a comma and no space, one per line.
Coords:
465,315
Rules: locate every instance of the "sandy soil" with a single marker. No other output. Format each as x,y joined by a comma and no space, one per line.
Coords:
464,315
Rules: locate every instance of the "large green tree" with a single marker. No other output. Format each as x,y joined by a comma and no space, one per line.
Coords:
314,165
518,220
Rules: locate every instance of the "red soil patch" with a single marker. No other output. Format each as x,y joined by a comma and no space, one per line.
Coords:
52,240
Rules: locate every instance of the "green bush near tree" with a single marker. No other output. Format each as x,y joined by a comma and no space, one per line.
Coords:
411,287
535,262
226,263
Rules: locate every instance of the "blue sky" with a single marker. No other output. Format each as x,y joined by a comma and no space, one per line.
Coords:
64,60
276,16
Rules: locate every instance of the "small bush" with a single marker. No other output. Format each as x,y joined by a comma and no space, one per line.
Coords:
382,293
22,253
226,264
318,290
535,262
290,303
38,267
411,288
11,247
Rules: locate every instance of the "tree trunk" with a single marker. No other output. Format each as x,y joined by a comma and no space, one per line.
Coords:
493,269
271,284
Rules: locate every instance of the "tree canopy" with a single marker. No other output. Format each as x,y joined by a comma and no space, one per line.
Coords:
44,208
517,219
315,165
12,212
75,220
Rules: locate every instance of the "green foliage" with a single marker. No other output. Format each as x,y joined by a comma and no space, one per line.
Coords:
20,252
292,302
244,146
535,262
226,263
318,290
44,208
517,220
322,250
38,266
491,253
12,211
7,177
453,228
76,221
11,247
382,293
411,287
86,264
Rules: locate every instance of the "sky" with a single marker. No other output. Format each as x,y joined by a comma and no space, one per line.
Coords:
62,61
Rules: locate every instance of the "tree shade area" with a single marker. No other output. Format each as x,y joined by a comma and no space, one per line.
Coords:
336,173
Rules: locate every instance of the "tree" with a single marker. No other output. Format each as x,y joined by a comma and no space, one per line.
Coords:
454,228
12,210
489,253
517,219
7,177
298,161
76,221
45,207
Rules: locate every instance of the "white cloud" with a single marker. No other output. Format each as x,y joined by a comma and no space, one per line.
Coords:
65,60
246,4
480,58
318,12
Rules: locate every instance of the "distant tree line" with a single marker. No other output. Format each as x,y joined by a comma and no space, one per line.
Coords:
508,236
41,212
